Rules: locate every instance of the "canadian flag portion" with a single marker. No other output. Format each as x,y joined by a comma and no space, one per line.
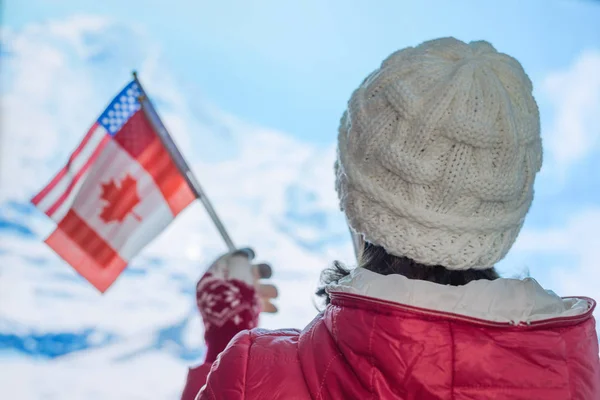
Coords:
57,197
118,191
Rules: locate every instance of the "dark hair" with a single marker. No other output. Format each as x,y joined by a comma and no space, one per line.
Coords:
376,259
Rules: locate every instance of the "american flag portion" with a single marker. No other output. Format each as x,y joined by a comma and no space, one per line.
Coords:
119,189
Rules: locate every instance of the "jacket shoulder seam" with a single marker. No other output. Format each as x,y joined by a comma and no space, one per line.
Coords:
265,332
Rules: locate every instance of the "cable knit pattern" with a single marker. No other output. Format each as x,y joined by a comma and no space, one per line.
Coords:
438,152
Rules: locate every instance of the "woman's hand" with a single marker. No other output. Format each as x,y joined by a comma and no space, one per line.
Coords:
230,296
237,265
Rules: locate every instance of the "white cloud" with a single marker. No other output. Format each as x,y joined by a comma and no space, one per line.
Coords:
149,376
572,248
575,95
574,251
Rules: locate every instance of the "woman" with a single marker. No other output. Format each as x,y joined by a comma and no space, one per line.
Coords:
437,155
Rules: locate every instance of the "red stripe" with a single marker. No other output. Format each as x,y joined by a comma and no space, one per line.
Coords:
135,135
139,139
89,254
158,163
36,200
78,176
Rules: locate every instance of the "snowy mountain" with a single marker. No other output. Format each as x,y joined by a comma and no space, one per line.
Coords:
61,338
56,329
148,318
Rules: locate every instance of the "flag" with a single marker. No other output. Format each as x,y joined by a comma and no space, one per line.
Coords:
119,189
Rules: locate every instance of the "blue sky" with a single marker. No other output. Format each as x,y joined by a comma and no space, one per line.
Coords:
292,65
253,93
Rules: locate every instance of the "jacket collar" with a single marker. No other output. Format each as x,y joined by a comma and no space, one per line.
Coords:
502,300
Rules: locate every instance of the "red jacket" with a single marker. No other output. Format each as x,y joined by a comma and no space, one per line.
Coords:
366,347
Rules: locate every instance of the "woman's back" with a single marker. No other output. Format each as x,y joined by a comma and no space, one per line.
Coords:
399,345
438,151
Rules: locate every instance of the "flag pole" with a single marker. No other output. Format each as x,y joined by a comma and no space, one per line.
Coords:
180,162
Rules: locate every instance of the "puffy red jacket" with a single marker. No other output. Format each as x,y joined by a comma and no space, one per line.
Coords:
393,338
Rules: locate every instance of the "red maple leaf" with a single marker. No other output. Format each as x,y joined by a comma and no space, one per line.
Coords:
121,200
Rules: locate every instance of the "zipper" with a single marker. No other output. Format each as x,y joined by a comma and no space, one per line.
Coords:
558,321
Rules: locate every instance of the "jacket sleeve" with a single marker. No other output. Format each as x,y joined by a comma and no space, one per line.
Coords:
227,377
196,378
227,306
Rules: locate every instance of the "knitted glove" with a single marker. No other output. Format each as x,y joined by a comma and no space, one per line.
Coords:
230,297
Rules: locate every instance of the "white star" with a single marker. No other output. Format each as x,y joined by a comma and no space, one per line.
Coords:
129,92
105,121
111,113
117,106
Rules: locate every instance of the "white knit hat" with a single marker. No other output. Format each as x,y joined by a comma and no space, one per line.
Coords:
437,154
